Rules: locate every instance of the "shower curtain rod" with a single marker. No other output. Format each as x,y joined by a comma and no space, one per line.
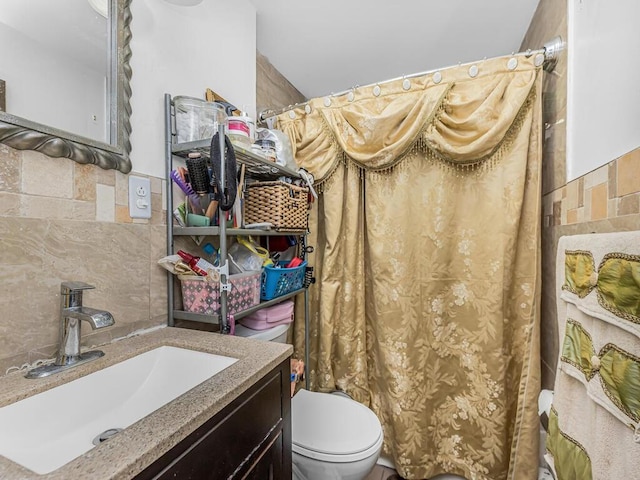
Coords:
550,50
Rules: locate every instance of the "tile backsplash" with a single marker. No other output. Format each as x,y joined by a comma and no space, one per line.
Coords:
60,221
612,190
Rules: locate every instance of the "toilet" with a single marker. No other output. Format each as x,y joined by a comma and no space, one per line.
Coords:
333,436
276,334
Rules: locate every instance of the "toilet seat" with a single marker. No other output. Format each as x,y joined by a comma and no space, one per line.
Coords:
331,428
269,334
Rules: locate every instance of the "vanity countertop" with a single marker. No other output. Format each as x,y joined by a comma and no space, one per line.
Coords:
139,445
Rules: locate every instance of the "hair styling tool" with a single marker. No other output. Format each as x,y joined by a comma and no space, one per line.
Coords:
186,188
226,193
198,173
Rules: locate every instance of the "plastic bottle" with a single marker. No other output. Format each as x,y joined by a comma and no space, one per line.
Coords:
197,264
211,252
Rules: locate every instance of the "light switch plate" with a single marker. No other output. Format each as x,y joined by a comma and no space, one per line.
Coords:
139,197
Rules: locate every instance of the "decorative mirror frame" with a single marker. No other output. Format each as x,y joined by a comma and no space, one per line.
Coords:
23,134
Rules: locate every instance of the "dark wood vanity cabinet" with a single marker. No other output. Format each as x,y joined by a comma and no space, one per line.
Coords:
249,439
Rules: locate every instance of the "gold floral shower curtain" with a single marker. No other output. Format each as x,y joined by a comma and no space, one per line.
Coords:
426,306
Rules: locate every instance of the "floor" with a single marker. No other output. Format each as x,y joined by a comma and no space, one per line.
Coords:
383,473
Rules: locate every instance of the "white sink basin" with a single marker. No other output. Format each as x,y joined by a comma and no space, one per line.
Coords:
47,430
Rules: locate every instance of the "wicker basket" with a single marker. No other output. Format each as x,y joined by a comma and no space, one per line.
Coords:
279,203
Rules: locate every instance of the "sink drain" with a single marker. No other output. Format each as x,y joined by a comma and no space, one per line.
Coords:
106,435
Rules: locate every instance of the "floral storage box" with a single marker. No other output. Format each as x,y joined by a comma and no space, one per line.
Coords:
200,296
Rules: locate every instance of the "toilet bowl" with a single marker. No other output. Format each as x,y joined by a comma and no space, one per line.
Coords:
276,334
333,436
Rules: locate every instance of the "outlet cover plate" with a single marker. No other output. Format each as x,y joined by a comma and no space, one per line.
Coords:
139,197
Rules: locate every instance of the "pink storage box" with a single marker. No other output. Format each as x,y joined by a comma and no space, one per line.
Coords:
269,317
200,296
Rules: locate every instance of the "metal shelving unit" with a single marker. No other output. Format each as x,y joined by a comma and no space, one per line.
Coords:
197,317
215,231
256,168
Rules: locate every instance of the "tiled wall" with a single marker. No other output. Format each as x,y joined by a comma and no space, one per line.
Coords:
610,191
62,221
605,200
273,91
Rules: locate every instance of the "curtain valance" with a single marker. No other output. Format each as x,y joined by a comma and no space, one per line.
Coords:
458,119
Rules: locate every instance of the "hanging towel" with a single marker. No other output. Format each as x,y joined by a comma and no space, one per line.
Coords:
594,425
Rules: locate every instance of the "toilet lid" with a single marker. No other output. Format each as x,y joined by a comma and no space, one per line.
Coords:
326,426
267,334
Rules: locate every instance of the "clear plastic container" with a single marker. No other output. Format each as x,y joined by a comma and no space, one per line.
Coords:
268,148
197,119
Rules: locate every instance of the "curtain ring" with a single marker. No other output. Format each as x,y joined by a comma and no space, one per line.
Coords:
307,109
473,71
327,101
376,91
406,83
512,63
351,95
437,77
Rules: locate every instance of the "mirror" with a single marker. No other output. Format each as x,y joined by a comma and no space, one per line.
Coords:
65,81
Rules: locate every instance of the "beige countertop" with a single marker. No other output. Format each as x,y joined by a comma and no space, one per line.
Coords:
132,450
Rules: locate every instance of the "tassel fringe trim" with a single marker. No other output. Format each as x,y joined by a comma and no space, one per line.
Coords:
422,146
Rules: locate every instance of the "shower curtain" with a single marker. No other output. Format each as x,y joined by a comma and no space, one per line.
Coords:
427,237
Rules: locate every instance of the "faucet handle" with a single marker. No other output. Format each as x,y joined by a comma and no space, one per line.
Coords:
67,288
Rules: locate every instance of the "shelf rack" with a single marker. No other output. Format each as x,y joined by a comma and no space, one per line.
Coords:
257,168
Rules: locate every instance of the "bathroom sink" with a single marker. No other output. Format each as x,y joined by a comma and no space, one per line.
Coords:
47,430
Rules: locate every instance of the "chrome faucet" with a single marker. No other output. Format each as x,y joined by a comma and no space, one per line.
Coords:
72,313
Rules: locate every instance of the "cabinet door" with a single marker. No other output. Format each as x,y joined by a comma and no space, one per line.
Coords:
269,465
252,434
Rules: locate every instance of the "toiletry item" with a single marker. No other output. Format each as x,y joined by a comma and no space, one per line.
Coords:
197,264
212,253
250,123
225,194
238,132
212,209
175,265
194,200
194,220
268,148
295,262
198,173
257,149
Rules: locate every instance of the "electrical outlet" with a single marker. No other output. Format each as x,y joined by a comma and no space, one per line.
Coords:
139,197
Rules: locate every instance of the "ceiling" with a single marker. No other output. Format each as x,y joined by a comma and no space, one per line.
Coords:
332,45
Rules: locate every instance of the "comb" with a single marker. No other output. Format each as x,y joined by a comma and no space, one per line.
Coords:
186,188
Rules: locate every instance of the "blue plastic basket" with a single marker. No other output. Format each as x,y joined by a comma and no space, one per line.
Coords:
280,281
